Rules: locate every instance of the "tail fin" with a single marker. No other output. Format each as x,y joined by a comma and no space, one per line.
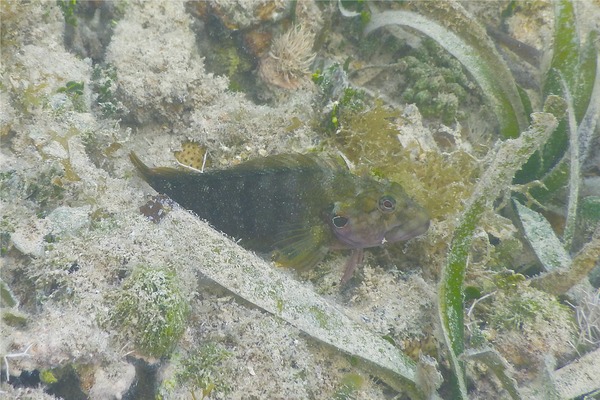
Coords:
180,186
140,166
154,174
164,179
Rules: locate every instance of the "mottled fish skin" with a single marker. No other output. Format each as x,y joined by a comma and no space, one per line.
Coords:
298,206
255,201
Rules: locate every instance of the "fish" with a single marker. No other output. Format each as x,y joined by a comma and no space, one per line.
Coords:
297,207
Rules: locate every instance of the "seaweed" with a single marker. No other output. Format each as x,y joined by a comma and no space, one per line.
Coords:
451,27
68,9
74,90
436,83
570,96
573,74
104,83
200,369
509,158
150,310
349,386
44,187
443,176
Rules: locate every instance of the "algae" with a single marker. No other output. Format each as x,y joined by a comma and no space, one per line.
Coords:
150,310
200,369
145,89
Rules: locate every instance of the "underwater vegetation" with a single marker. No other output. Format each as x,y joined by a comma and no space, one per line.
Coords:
68,9
368,135
570,97
230,59
200,370
104,82
525,133
438,89
150,310
350,385
469,43
44,188
496,298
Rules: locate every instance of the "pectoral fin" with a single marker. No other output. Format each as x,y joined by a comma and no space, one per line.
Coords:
302,247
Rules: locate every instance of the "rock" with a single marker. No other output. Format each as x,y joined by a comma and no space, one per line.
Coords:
69,220
28,237
113,381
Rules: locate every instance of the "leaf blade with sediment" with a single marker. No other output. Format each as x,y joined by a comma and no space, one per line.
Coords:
452,28
579,378
497,177
576,65
251,278
565,57
560,281
499,366
544,242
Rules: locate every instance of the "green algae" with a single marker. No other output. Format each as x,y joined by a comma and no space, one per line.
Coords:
520,305
436,83
48,377
200,369
104,85
31,98
367,134
74,91
338,99
228,57
440,182
7,298
68,9
150,310
452,28
14,318
498,176
349,387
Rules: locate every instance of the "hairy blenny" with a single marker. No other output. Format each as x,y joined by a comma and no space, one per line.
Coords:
297,206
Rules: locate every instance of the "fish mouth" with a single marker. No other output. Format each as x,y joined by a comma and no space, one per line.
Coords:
396,234
400,233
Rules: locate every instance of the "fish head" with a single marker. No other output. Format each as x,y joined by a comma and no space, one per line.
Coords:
376,213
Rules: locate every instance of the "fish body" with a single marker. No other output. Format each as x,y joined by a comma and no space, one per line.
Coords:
297,206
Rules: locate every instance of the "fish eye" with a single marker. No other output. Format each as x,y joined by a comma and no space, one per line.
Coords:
387,204
339,221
